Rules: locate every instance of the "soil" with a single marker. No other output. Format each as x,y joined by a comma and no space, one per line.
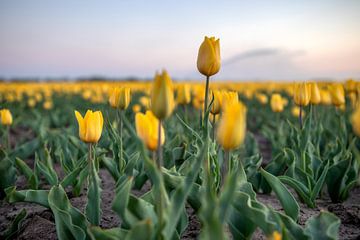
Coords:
39,223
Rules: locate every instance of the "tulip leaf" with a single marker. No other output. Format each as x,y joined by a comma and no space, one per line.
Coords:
70,222
15,225
96,233
32,196
291,207
324,226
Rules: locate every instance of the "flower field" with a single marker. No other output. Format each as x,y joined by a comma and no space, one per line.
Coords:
180,160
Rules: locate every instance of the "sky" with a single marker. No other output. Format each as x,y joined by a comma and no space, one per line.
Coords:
259,40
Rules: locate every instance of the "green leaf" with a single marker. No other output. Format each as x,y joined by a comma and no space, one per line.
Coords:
7,171
70,222
324,226
96,233
141,231
32,196
319,184
291,207
300,189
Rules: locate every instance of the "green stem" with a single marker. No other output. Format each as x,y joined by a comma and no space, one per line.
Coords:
300,117
160,197
121,141
225,167
206,101
8,138
213,128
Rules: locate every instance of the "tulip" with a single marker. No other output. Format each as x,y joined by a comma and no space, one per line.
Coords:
120,98
227,98
183,94
295,111
350,86
315,97
262,98
47,105
136,108
145,102
31,102
355,121
147,129
216,106
90,127
232,126
302,94
275,236
337,94
276,103
208,61
325,97
162,96
6,117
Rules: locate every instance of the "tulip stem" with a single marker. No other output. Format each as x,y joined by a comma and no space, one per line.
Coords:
159,150
206,99
225,167
213,128
8,138
300,117
121,141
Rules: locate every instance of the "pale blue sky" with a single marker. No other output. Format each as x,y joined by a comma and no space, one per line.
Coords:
259,39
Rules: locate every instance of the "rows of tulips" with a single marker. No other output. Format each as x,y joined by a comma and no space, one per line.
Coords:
195,143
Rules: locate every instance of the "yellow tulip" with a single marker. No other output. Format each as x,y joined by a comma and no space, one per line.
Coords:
47,105
183,94
337,94
277,103
31,102
325,97
145,102
216,106
302,94
315,93
262,98
208,61
275,236
147,126
353,99
120,98
162,96
90,127
6,117
355,121
227,98
136,108
295,111
232,126
350,85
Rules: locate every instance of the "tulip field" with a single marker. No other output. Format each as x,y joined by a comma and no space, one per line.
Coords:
165,160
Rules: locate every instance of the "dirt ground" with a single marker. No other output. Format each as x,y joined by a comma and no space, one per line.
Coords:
39,223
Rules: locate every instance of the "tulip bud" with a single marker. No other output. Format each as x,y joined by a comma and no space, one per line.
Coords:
6,117
90,127
355,121
337,94
295,111
162,96
302,94
136,108
227,98
147,129
145,102
325,97
350,85
315,93
232,126
216,106
120,98
47,105
262,98
208,61
276,103
183,94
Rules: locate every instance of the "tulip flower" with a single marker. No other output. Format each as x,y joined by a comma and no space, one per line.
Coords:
302,94
227,98
6,117
162,96
120,98
136,108
337,94
325,97
295,111
262,98
208,64
232,126
183,94
145,101
147,129
355,121
208,61
47,105
276,103
90,127
351,86
216,106
315,97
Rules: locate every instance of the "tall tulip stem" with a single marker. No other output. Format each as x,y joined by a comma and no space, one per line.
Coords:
300,117
121,140
159,150
213,128
206,98
225,166
8,138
